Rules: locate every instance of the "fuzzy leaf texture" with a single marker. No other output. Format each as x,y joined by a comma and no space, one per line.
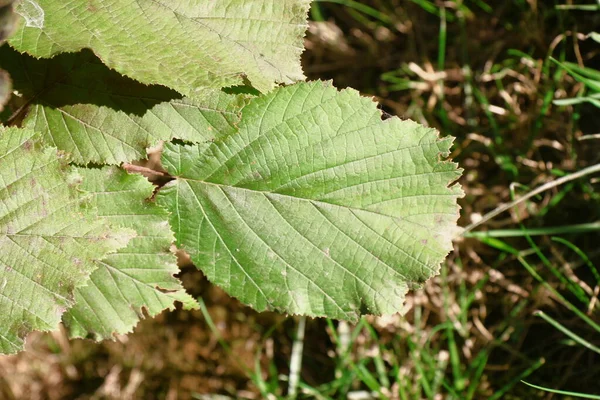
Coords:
96,115
186,45
50,237
139,276
315,205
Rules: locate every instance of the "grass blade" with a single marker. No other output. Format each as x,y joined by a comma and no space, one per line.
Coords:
578,339
566,393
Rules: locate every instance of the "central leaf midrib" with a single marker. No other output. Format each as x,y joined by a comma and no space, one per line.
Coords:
315,203
220,185
221,188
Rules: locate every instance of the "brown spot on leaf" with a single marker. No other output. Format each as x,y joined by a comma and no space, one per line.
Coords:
91,6
23,329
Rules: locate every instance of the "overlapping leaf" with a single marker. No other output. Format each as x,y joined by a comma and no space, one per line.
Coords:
188,46
136,278
84,108
50,238
315,206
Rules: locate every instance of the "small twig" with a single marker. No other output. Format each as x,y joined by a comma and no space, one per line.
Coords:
142,170
589,137
15,115
499,210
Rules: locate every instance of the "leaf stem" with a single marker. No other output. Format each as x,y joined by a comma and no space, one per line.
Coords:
142,170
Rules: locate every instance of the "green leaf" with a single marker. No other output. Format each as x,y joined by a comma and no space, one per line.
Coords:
50,238
84,108
139,276
188,46
315,206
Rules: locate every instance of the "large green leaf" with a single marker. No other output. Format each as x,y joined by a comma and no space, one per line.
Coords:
186,45
50,238
315,206
139,276
84,108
